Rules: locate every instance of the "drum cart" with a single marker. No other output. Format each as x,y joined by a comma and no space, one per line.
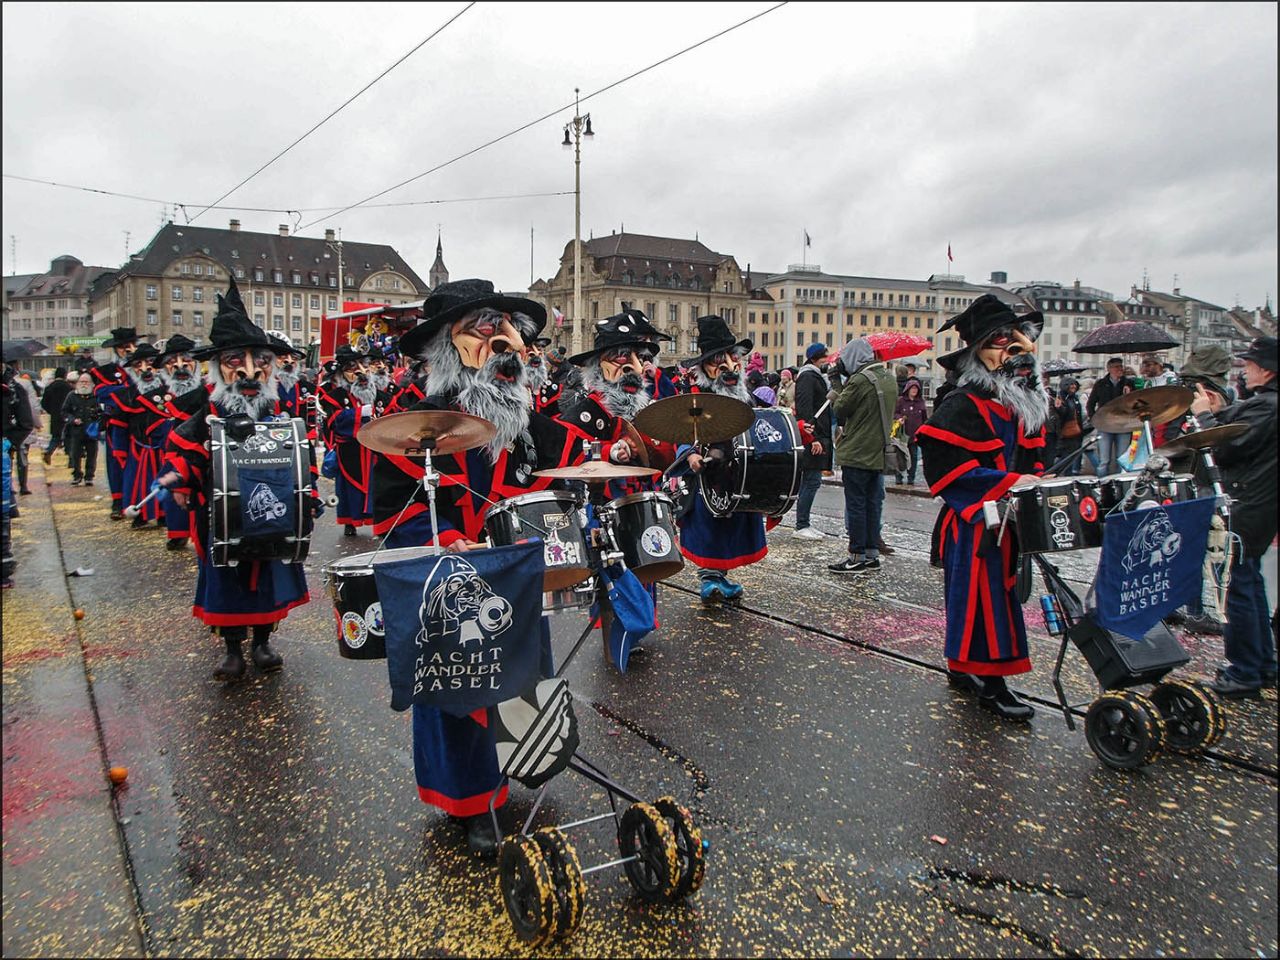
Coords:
1127,729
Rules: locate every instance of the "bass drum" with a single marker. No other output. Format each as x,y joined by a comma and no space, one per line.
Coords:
644,530
357,608
554,517
763,473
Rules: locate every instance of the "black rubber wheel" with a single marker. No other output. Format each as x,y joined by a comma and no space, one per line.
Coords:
566,877
524,882
1189,716
1124,729
689,845
645,835
1219,712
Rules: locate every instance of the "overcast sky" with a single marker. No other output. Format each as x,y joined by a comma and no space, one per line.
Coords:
1053,142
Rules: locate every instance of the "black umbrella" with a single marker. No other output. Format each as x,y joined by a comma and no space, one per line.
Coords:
1127,336
21,349
1057,367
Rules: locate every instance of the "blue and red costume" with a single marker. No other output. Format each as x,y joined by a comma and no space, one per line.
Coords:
340,429
147,414
454,758
974,451
108,379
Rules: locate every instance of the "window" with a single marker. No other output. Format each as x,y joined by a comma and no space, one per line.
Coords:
257,274
333,281
197,318
673,313
751,316
315,301
295,323
800,317
259,319
315,279
296,301
151,318
277,299
297,277
651,309
595,309
831,320
799,338
277,321
186,268
199,270
213,273
176,319
333,303
764,339
239,273
151,295
877,320
177,293
197,294
349,282
917,323
259,298
829,343
891,321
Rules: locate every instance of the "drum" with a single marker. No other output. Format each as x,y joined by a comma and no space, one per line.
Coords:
644,530
261,503
1057,515
1177,487
1113,489
554,517
763,473
356,605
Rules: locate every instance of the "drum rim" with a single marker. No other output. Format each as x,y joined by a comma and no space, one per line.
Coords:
535,496
642,496
346,566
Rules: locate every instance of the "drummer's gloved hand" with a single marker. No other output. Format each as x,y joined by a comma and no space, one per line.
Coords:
161,491
366,410
620,452
317,507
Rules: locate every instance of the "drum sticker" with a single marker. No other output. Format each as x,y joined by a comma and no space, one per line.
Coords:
766,432
655,541
260,443
265,505
277,434
555,552
1062,534
354,631
373,619
1089,509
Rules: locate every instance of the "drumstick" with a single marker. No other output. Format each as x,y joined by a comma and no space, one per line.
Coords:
135,509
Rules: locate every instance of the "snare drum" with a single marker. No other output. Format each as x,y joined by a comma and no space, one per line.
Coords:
1113,489
1177,488
1057,515
644,530
763,475
260,506
553,516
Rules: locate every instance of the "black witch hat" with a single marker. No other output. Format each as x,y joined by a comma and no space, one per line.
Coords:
450,301
979,320
348,354
714,336
233,330
611,332
120,336
145,351
178,344
644,327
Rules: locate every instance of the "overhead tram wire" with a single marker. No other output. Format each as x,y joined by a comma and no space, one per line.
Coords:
558,110
343,106
397,203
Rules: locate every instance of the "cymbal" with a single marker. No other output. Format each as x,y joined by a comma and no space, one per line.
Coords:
1155,405
637,443
596,471
1210,437
413,431
695,418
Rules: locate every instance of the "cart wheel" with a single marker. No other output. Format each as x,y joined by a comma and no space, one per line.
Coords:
689,845
1218,712
566,877
1124,729
1191,719
643,834
527,892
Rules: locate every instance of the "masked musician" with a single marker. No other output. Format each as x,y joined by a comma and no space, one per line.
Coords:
189,395
380,364
142,407
348,401
544,392
255,594
716,545
982,439
473,339
108,378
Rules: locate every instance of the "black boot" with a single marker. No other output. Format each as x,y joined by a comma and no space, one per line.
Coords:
482,841
1000,700
966,682
176,543
263,657
348,531
233,666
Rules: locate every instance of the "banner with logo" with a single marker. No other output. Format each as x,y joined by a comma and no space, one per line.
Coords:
462,629
1151,564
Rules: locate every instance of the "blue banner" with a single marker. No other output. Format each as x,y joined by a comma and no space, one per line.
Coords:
1151,564
462,629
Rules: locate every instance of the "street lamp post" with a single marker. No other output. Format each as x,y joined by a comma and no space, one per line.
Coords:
581,126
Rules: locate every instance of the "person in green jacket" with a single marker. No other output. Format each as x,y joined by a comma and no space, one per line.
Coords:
859,453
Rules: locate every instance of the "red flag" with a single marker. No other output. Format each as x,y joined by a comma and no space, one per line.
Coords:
950,259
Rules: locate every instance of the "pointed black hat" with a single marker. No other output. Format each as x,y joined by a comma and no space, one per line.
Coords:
714,336
979,320
120,336
616,331
178,344
450,301
233,330
348,354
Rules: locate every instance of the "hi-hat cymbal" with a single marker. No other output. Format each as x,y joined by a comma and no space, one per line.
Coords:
1155,405
1210,437
416,431
596,471
695,418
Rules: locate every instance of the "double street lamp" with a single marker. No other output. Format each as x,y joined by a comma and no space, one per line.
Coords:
581,127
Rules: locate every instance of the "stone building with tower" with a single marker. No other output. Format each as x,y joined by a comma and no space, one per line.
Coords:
287,282
674,281
52,308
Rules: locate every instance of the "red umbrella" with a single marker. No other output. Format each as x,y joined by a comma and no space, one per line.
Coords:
892,345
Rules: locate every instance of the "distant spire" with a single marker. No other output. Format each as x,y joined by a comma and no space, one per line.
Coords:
439,272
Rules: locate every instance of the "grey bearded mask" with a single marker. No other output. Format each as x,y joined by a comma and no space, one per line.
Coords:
538,373
148,381
1022,392
183,380
737,389
288,378
618,400
228,396
482,393
362,392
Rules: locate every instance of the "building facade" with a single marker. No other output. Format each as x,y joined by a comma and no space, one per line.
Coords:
287,282
673,281
1069,314
52,307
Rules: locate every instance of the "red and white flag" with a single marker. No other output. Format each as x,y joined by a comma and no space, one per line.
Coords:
559,317
950,258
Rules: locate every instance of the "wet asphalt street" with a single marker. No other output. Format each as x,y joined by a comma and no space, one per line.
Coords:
853,803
